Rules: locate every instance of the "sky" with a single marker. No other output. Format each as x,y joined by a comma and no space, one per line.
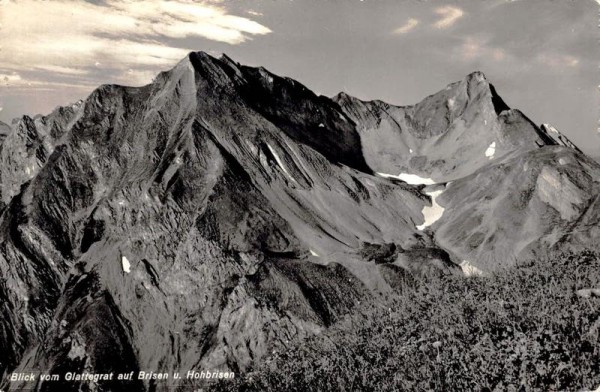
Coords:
541,55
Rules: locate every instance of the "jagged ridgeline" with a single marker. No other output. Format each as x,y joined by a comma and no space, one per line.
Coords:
194,222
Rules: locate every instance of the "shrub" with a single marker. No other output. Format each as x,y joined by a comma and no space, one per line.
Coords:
522,329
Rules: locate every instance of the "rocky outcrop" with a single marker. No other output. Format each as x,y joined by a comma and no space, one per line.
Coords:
557,136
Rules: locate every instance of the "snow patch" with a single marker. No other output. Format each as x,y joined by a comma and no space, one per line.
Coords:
410,150
30,169
412,179
562,161
312,252
321,125
432,213
469,269
266,75
491,150
551,128
125,264
280,162
451,103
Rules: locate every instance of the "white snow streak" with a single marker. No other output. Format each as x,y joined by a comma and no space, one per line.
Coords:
491,150
432,213
312,252
552,129
126,265
280,162
412,179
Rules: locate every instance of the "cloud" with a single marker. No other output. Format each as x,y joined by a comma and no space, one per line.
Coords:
15,81
474,48
449,15
63,38
408,26
557,60
8,79
61,70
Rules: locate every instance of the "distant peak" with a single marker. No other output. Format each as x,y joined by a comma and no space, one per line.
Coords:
342,96
202,54
201,57
477,76
477,81
228,60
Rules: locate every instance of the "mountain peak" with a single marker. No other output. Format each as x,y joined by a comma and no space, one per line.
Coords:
478,76
228,59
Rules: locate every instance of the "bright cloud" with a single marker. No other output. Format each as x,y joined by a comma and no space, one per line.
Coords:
67,38
408,26
13,78
449,15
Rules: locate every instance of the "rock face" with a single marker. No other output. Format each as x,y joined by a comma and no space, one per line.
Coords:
194,222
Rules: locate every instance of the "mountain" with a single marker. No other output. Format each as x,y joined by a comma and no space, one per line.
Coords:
446,136
193,222
511,190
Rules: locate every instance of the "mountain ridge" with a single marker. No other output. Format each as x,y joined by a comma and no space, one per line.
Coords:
222,208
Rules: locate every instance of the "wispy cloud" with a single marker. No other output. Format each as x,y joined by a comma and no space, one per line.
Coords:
557,60
61,70
474,48
8,79
67,38
449,15
408,26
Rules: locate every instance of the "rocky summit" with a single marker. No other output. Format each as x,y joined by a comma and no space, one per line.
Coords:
196,222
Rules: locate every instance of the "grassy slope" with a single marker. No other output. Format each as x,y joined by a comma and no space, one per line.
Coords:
522,329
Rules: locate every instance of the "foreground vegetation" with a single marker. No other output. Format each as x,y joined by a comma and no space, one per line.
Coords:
524,329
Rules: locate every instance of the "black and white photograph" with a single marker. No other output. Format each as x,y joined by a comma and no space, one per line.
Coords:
299,195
